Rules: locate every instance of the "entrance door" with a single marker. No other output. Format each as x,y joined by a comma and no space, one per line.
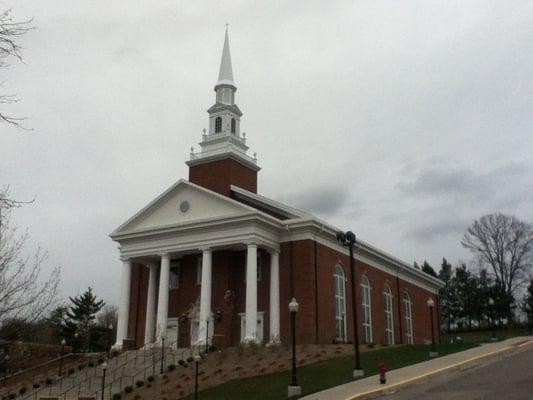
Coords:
260,319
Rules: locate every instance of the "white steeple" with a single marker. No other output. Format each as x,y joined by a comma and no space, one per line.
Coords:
223,138
225,75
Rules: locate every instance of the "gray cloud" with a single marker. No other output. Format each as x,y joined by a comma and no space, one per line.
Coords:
323,200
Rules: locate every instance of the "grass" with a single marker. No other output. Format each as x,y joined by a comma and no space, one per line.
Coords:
325,374
483,336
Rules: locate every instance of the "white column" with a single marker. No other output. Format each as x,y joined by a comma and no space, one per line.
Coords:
274,297
124,310
151,301
205,296
251,294
162,301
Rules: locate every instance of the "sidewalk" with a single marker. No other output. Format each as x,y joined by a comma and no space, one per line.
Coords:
401,376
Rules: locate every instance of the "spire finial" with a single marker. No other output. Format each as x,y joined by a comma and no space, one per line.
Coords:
225,75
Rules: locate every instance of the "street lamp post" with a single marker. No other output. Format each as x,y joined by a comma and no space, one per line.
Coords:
348,239
104,369
294,389
197,359
6,369
162,353
63,342
493,321
433,352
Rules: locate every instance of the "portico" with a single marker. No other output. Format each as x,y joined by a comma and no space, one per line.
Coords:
252,236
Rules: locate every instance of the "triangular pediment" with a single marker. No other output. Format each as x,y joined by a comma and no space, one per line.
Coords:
184,202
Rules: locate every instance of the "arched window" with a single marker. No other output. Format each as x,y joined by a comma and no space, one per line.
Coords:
340,304
408,308
233,125
218,125
389,315
367,310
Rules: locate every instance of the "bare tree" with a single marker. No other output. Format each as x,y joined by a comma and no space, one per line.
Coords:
10,33
24,293
505,244
108,316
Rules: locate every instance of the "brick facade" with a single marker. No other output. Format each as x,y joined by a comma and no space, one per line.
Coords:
306,272
219,175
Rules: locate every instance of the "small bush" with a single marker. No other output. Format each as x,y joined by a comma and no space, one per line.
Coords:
190,360
48,381
150,378
71,371
148,385
139,383
36,385
81,366
12,395
137,397
90,364
181,362
117,396
371,345
165,376
100,361
128,389
23,390
114,353
171,367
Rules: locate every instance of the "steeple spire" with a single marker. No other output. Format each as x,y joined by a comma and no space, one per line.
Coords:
225,75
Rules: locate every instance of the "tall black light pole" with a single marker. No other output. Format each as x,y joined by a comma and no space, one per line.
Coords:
492,318
63,342
197,359
104,369
294,389
433,352
348,239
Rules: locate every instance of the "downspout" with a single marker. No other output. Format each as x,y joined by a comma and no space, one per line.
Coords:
399,305
316,284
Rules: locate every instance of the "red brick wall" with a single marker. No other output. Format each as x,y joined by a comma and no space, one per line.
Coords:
311,267
219,175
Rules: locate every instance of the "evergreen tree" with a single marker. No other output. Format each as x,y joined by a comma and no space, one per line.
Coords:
447,294
80,322
466,285
428,269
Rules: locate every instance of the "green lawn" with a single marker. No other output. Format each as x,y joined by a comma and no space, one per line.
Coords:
322,375
483,336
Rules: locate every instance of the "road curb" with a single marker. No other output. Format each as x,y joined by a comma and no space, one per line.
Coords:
425,375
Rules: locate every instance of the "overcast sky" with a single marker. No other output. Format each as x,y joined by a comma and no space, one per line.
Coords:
400,120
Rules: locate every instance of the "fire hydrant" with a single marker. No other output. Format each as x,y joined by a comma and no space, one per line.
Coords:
382,368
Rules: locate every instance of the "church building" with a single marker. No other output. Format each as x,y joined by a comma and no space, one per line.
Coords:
210,259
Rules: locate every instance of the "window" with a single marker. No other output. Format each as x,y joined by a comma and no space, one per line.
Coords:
389,318
340,304
174,279
408,305
233,125
199,270
218,125
367,310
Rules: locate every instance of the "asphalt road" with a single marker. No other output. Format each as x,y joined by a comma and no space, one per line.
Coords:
503,377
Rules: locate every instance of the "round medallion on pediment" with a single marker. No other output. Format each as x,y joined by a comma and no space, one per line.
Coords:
185,206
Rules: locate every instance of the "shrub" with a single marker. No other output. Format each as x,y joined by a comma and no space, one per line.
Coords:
148,385
181,362
117,396
23,390
150,378
165,376
114,353
12,395
48,381
128,389
90,364
81,366
137,397
139,383
70,371
190,360
171,367
100,361
371,345
36,385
